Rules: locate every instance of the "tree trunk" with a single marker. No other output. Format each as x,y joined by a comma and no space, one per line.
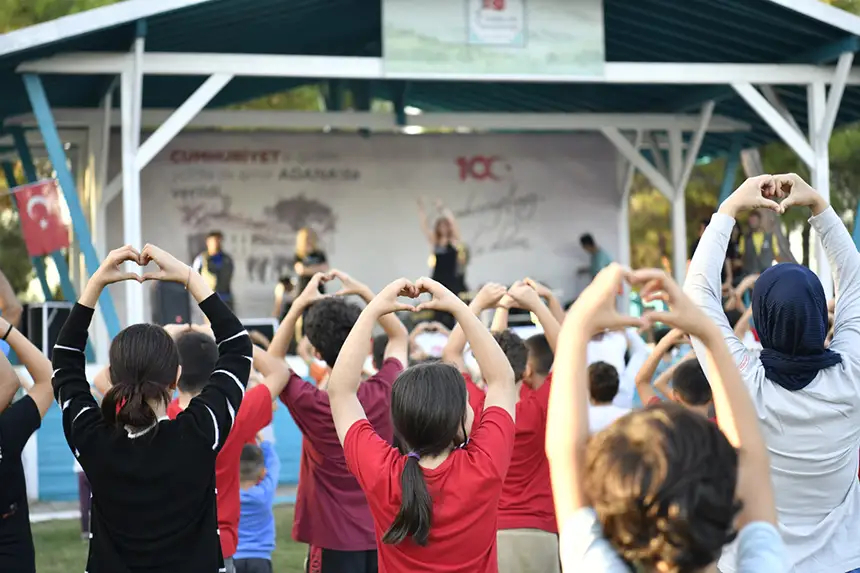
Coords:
805,242
772,223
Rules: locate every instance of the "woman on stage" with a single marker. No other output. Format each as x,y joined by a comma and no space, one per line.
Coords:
449,255
310,258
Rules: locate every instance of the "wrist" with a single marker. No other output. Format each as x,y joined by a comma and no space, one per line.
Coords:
819,206
728,208
365,293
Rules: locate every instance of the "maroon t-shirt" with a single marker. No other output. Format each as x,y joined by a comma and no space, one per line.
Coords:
331,509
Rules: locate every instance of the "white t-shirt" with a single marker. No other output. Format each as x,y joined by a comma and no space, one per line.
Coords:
600,417
583,548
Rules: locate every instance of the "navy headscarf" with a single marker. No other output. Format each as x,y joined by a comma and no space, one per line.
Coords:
790,316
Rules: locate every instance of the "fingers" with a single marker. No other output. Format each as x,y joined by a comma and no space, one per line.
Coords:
123,254
153,276
131,277
426,284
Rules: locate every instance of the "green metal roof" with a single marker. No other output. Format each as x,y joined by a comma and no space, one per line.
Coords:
705,31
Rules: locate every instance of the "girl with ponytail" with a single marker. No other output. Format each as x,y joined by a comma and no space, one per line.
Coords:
135,458
434,508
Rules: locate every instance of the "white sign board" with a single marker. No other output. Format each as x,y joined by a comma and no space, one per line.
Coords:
522,201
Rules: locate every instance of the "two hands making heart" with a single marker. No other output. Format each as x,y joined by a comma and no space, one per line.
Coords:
169,267
774,192
387,300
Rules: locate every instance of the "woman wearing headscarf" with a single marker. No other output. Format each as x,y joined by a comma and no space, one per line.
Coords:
807,395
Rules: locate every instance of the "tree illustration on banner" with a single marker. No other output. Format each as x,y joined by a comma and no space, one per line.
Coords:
41,219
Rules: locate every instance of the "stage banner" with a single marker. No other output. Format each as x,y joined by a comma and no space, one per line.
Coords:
41,217
521,202
493,38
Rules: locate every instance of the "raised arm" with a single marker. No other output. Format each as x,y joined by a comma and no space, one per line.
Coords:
398,336
10,307
449,214
425,223
842,255
495,368
663,381
646,373
488,297
567,419
345,377
501,315
529,299
275,372
735,411
703,283
287,329
213,411
81,414
551,300
37,365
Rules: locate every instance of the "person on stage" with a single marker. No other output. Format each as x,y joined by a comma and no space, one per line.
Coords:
216,267
310,258
449,254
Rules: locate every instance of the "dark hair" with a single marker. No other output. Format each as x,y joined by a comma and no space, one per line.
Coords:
586,240
540,354
733,316
379,344
755,214
602,382
704,222
327,324
515,349
198,354
662,482
143,364
251,463
215,234
428,411
690,383
660,333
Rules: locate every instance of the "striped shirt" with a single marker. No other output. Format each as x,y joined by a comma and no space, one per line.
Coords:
153,490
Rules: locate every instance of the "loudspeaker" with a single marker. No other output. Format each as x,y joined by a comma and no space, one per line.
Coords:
44,322
171,304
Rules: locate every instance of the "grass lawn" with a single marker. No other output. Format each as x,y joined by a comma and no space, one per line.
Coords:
59,548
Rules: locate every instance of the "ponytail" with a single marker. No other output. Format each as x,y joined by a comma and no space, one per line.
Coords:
127,404
416,507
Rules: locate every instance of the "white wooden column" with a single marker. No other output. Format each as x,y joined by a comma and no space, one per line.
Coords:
131,88
820,170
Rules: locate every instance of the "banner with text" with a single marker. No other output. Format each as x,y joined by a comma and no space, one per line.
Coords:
521,202
500,38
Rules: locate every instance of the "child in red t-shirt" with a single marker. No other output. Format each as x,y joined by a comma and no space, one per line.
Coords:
434,509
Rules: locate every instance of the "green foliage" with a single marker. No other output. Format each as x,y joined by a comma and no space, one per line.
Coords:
16,14
14,259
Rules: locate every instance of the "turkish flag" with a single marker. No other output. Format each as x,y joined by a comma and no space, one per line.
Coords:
41,221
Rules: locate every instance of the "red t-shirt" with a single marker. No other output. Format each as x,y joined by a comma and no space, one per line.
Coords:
255,413
331,510
476,395
465,490
526,501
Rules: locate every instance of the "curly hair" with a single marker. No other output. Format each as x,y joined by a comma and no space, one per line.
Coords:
662,483
327,324
515,349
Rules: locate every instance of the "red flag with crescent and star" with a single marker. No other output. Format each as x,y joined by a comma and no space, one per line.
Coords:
41,218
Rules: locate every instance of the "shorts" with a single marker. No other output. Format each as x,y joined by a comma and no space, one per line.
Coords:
527,551
331,561
253,565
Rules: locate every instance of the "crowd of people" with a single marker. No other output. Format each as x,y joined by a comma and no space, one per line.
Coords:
577,449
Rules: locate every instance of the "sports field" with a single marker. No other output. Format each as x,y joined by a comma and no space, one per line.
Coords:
59,548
